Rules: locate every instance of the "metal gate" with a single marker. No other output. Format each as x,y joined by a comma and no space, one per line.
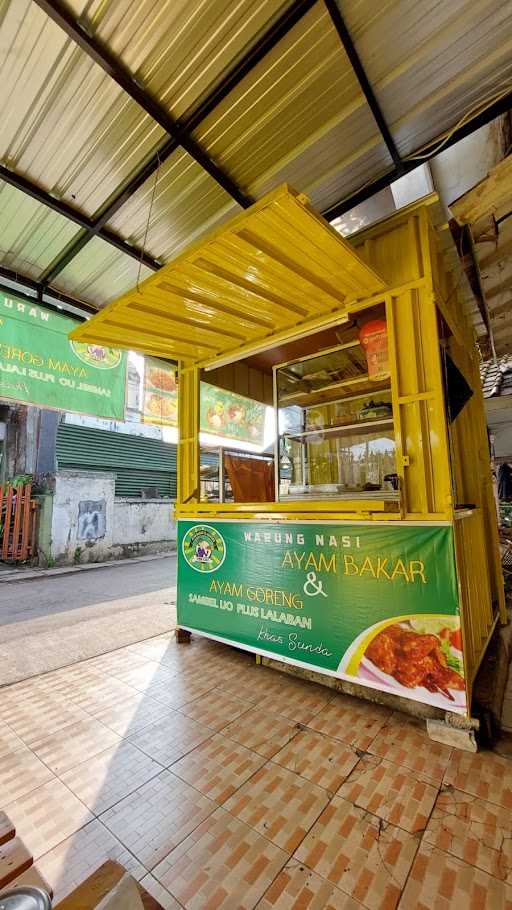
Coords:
18,523
137,461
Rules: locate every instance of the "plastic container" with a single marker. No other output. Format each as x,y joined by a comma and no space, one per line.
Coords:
25,899
373,336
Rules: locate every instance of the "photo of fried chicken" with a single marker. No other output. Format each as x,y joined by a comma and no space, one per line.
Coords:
414,660
162,379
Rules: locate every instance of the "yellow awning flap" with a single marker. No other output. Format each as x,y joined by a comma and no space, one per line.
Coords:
277,267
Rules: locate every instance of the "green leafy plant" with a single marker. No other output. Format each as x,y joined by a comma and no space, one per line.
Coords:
77,554
19,480
506,514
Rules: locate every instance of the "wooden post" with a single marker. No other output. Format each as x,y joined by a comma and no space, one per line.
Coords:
221,474
188,444
7,524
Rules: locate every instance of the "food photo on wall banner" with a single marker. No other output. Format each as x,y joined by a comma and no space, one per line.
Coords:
225,414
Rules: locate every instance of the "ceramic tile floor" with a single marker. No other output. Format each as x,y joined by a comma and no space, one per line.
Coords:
226,786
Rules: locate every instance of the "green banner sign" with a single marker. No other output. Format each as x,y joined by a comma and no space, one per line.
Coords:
373,604
232,416
222,413
39,365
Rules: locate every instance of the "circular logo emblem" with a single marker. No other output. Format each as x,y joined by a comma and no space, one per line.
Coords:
95,355
204,548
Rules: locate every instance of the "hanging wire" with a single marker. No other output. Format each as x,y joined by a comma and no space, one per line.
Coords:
162,398
143,251
480,108
473,111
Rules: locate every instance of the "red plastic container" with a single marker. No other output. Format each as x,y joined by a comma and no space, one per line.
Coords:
374,340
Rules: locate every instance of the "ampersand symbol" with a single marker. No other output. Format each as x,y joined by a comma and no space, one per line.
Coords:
317,586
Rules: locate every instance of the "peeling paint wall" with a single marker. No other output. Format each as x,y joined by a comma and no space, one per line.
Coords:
143,521
88,524
73,488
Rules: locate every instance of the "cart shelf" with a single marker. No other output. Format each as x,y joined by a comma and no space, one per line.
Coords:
342,494
360,427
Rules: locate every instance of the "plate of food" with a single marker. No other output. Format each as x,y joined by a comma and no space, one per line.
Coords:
161,379
159,406
418,657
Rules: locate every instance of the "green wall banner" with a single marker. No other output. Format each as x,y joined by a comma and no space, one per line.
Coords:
222,413
374,604
232,416
39,365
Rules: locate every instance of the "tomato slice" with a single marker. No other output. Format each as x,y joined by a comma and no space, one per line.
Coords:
456,639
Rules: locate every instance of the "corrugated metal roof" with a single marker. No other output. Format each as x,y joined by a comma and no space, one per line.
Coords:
275,267
65,124
297,115
184,202
430,62
31,235
178,48
71,128
100,273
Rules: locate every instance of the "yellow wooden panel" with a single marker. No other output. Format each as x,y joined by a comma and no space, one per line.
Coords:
188,443
447,279
315,510
487,197
472,472
140,338
182,328
276,266
477,613
392,248
418,403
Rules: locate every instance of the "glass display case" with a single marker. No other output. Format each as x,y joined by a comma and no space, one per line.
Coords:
335,433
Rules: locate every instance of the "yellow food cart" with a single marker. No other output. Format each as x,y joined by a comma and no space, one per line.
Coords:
354,534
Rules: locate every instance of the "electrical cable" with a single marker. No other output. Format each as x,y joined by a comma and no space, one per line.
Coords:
417,156
477,108
143,250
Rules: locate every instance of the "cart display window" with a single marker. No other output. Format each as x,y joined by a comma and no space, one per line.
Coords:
233,475
335,423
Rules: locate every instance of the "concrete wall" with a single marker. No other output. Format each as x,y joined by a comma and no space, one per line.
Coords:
499,421
89,525
503,441
77,495
143,522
